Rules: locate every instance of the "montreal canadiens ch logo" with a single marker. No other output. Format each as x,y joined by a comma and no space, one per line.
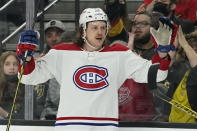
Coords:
91,78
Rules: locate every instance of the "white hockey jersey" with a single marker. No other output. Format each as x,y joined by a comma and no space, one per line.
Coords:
89,83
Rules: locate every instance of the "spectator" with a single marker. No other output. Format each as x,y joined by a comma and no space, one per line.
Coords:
136,103
167,8
141,36
119,21
185,9
141,107
53,34
182,76
89,83
8,85
143,44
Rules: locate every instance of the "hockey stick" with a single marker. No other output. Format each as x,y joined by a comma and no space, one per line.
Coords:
30,21
16,93
152,84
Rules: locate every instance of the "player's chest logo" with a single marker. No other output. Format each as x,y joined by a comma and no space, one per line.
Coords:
91,78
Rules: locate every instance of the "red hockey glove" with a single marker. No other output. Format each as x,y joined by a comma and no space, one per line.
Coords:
28,42
163,38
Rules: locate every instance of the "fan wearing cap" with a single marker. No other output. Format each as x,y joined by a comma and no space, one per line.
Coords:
90,72
53,31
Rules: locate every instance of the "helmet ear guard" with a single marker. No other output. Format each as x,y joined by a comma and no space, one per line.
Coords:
93,14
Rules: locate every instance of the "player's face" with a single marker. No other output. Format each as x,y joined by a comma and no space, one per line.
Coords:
53,37
10,65
96,33
141,26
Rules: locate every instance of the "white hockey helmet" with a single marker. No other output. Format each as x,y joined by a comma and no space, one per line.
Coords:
92,14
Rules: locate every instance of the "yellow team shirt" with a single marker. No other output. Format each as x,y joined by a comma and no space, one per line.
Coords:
180,95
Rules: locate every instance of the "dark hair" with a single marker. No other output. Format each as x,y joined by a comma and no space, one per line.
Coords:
192,37
153,23
78,40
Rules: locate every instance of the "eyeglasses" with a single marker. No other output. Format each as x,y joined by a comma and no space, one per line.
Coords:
141,24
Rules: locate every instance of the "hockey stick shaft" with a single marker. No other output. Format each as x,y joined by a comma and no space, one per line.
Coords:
14,101
152,84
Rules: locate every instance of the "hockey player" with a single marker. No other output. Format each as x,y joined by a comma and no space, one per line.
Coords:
90,72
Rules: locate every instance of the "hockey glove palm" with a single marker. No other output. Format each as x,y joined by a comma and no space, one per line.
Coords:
28,42
163,38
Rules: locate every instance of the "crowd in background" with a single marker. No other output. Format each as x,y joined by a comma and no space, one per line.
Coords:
136,102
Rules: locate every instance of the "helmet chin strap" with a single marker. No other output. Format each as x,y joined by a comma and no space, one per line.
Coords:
86,41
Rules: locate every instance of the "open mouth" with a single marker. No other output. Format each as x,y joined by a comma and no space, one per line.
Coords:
99,38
